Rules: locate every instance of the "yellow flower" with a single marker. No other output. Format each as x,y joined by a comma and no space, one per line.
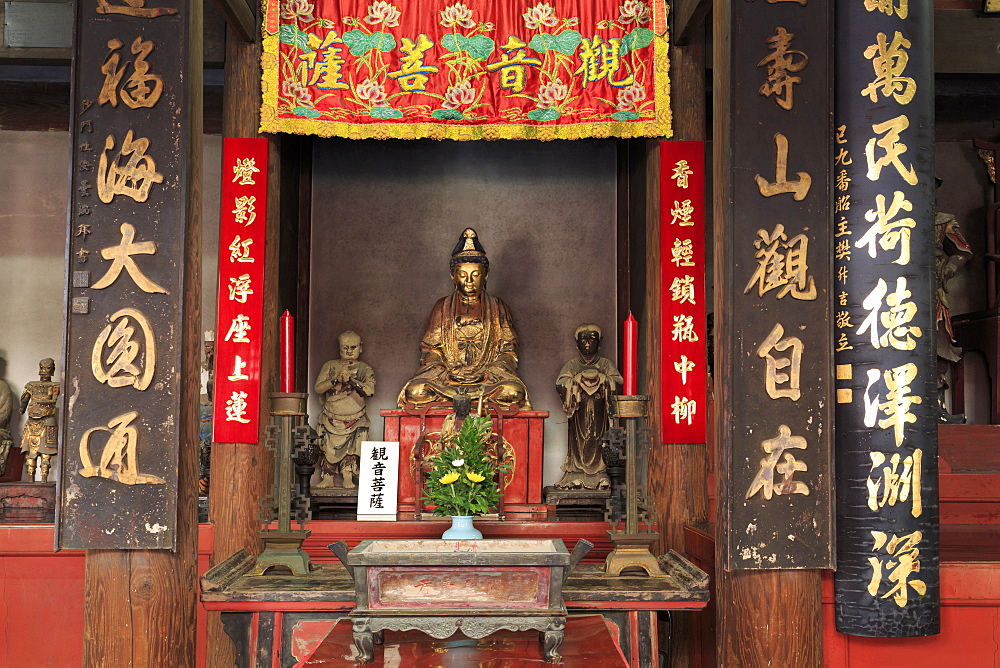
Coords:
474,477
449,478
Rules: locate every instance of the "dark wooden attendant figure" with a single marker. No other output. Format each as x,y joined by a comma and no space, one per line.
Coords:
470,340
585,385
39,439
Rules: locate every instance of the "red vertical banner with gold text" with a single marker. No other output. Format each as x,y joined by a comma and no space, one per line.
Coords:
684,335
240,326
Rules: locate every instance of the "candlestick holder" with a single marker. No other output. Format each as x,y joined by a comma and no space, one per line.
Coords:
631,546
283,546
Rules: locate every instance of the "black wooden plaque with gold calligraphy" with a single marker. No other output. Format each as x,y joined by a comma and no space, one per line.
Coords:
126,240
776,371
886,583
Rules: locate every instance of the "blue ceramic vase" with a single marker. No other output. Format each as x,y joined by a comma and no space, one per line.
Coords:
462,529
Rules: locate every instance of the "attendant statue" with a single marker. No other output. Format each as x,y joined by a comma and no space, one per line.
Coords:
585,385
39,438
470,346
6,406
952,252
343,385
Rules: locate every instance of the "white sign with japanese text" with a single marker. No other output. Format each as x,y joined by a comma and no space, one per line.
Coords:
378,480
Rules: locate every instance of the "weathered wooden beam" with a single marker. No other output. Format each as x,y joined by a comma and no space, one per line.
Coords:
689,19
240,16
965,42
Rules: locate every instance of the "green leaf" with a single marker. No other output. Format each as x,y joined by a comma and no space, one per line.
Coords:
625,115
385,113
383,41
479,47
359,43
637,39
544,114
289,34
308,112
565,42
447,114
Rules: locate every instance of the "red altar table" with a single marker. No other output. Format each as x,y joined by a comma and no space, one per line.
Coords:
522,434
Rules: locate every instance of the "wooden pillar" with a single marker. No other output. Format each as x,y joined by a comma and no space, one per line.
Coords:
140,606
764,617
678,473
241,472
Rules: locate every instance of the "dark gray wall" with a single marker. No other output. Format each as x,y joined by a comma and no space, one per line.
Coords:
387,214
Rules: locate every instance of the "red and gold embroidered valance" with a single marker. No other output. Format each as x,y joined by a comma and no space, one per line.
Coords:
479,69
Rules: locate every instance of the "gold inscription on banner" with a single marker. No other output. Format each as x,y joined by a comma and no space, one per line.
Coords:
683,409
898,401
900,563
798,189
896,485
119,368
141,88
887,7
134,178
782,263
889,62
776,450
775,374
888,232
118,459
892,149
136,8
780,62
121,258
898,334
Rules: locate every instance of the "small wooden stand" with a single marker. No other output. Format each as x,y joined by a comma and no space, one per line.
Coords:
283,547
632,545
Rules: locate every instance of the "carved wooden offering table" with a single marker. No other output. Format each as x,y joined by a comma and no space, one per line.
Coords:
440,587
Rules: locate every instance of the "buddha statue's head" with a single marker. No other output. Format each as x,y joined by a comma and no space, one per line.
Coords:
469,265
588,339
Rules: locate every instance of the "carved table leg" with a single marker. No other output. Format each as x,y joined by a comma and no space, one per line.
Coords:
364,640
379,638
553,639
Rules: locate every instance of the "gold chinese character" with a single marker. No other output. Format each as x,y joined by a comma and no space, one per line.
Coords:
236,408
842,203
134,178
513,65
893,150
136,8
901,10
684,329
119,459
115,348
842,157
842,228
775,448
842,250
601,59
841,136
799,189
121,258
889,62
782,263
683,367
681,173
843,320
239,250
141,89
897,334
682,290
238,366
244,213
842,298
682,253
683,409
888,232
780,62
682,213
843,344
898,401
903,564
244,170
239,288
896,485
842,273
238,329
83,230
82,255
774,375
412,72
323,67
843,180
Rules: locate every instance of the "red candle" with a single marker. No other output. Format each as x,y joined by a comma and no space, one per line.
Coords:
629,343
287,352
